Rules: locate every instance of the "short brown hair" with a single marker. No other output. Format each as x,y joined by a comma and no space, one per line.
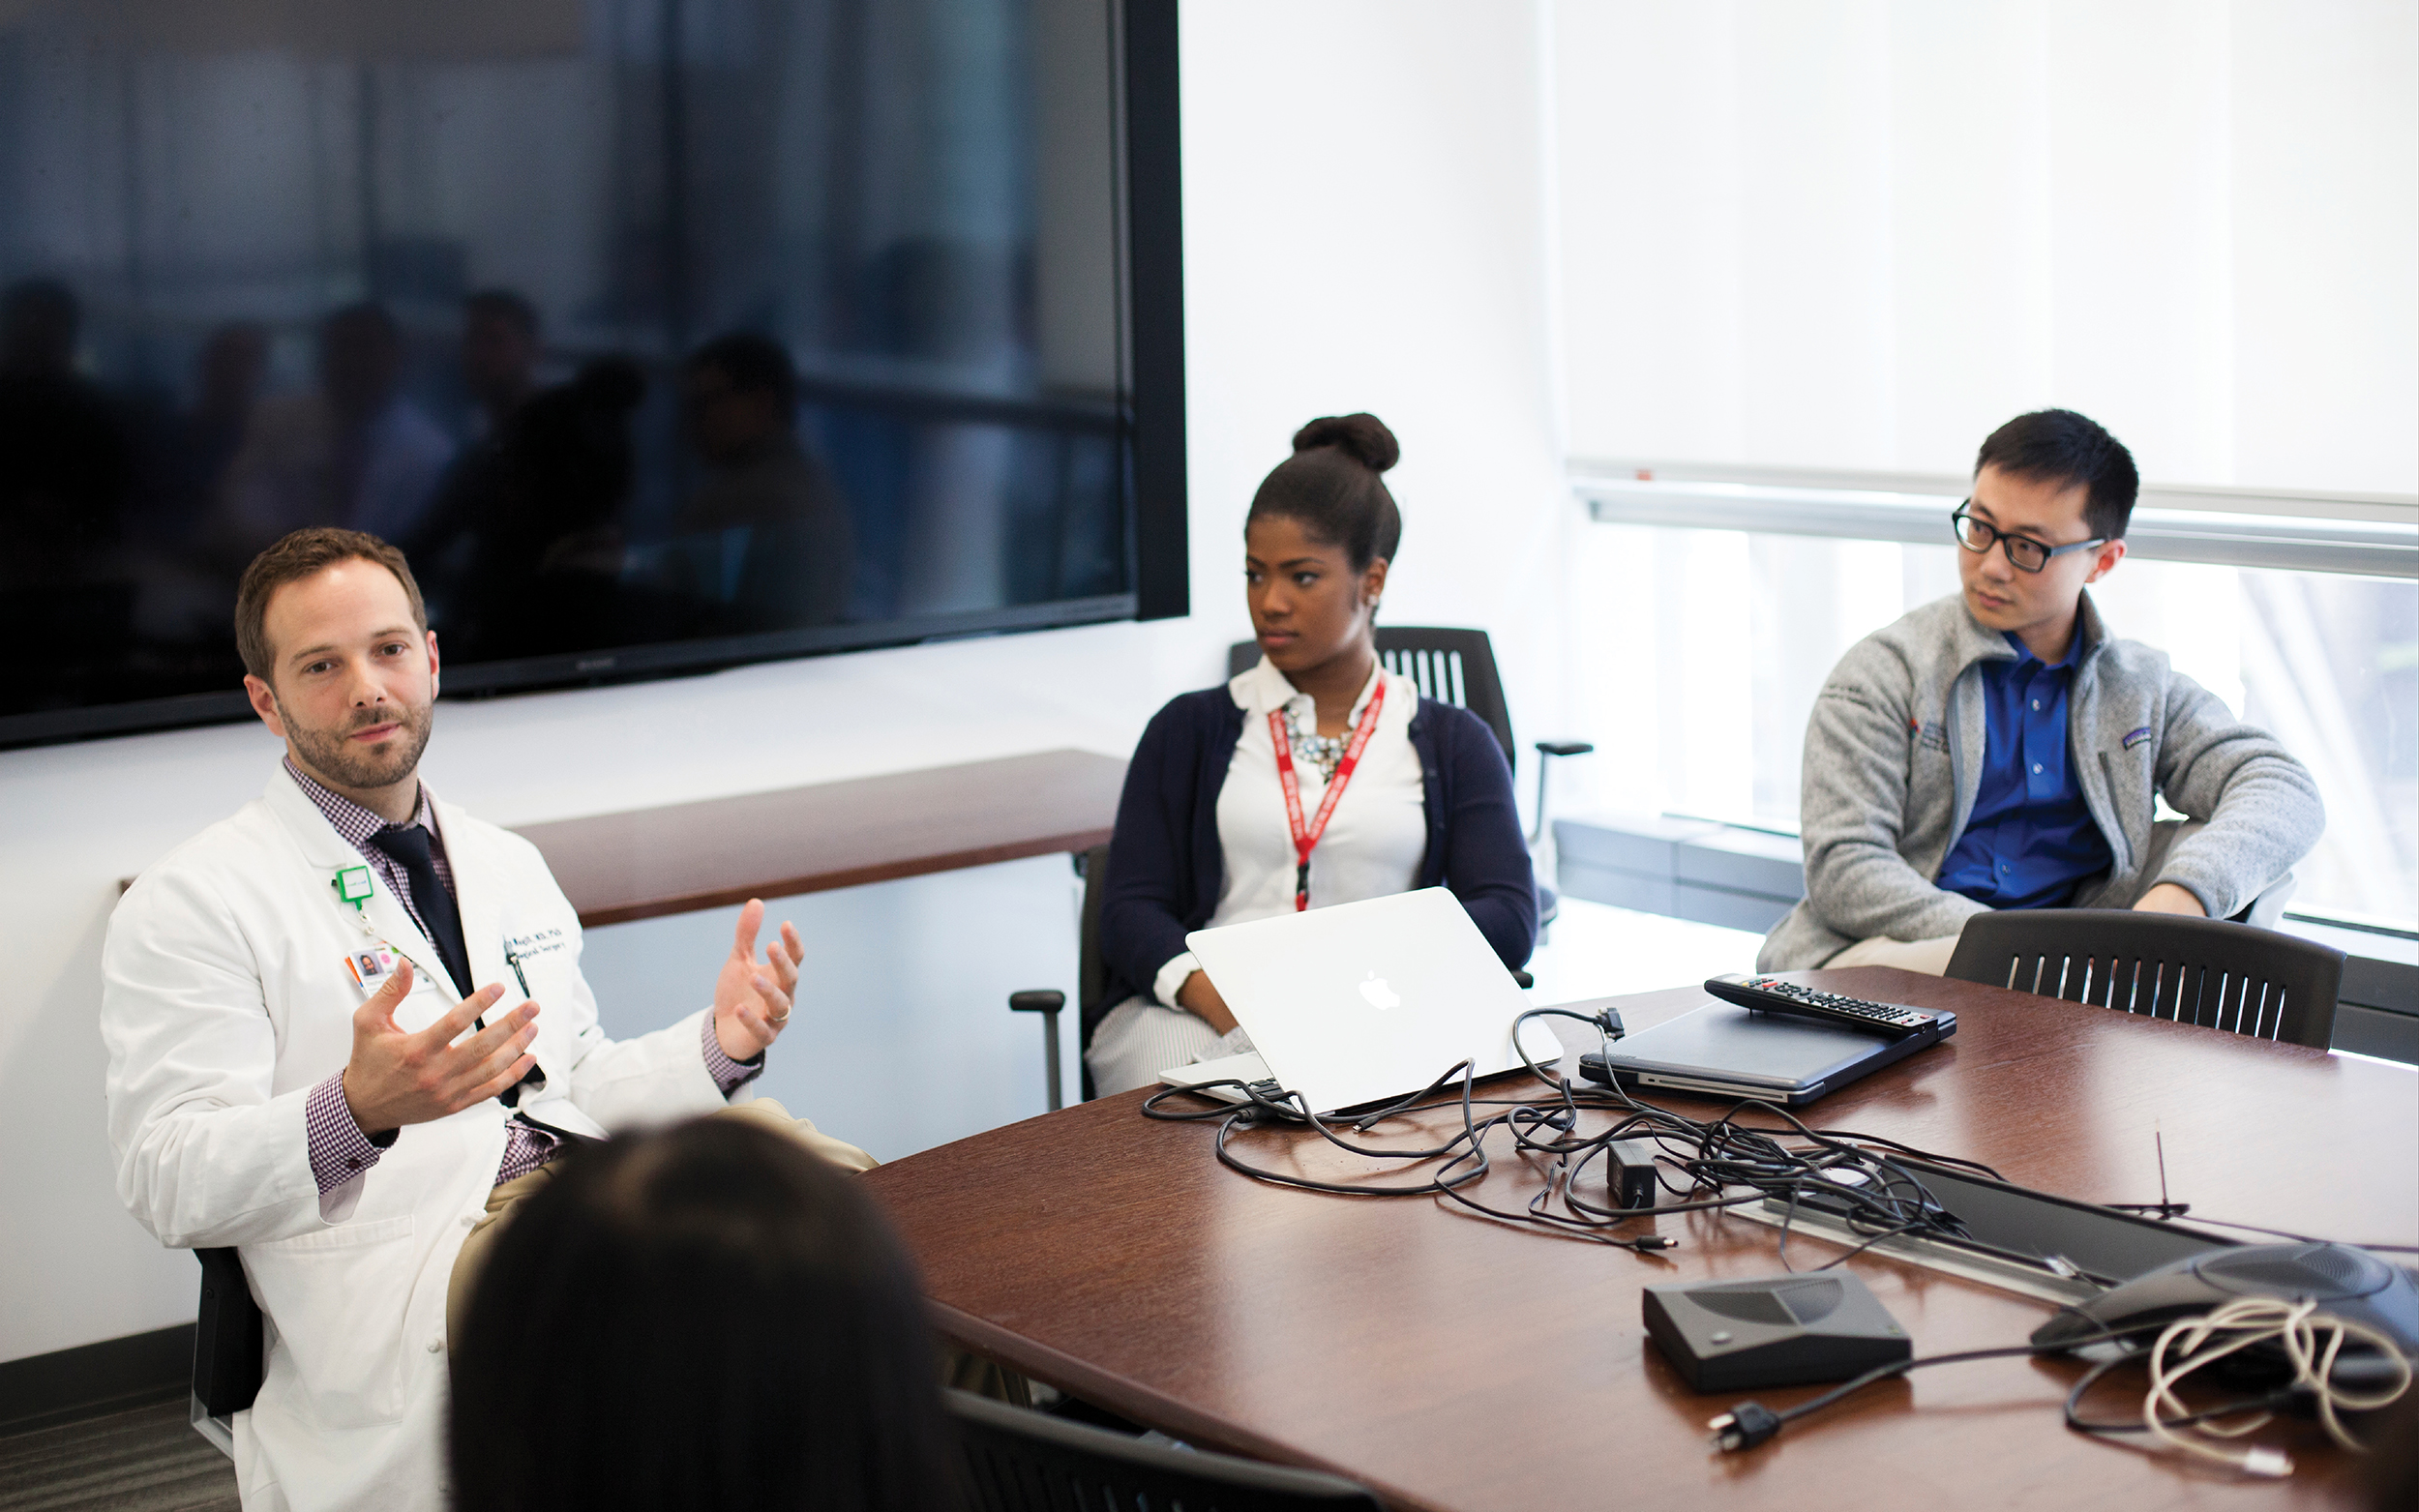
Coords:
300,554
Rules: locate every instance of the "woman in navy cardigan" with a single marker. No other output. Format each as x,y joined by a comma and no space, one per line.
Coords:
1203,837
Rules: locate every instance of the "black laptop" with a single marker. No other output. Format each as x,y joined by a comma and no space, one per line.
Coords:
1725,1050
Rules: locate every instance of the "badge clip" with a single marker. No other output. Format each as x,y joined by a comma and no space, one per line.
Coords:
352,885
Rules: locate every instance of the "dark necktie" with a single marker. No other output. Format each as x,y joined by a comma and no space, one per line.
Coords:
410,846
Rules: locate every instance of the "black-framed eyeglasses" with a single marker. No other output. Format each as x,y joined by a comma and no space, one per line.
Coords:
1979,535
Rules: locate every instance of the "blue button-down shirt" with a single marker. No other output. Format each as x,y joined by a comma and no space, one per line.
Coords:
2031,839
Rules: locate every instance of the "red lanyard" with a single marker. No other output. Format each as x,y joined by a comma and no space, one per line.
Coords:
1304,838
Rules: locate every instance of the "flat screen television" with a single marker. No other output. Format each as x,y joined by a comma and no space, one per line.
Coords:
664,335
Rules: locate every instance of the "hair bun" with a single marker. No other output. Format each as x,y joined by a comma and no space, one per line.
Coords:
1362,437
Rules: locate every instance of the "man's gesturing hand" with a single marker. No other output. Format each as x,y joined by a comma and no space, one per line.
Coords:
395,1078
752,998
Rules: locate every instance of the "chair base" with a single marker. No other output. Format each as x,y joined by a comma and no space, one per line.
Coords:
220,1430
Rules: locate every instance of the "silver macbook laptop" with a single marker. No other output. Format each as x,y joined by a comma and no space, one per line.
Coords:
1364,1001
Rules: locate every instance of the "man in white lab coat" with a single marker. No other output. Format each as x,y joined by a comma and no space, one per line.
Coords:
346,1027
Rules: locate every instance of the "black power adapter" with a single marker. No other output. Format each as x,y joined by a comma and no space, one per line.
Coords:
1772,1331
1630,1170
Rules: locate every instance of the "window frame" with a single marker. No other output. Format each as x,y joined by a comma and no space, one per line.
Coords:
2370,535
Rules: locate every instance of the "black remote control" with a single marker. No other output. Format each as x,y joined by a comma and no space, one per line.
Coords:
1772,995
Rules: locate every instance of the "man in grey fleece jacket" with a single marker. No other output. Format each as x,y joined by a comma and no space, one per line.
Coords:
2000,749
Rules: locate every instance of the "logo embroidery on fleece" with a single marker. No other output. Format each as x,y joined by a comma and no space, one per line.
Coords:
2134,737
1931,735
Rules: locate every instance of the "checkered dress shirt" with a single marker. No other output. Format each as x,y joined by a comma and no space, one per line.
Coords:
339,1152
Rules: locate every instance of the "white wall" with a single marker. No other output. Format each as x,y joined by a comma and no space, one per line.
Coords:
1365,229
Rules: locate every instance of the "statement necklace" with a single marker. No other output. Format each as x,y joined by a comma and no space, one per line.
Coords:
1313,749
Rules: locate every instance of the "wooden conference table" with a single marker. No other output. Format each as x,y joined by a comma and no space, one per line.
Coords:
1451,1362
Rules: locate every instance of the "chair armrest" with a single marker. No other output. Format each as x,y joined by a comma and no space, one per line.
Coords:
1563,748
1046,1001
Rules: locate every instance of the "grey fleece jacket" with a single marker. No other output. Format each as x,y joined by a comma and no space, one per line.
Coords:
1893,761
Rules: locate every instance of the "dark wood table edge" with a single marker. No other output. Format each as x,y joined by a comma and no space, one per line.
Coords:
1068,841
1102,1388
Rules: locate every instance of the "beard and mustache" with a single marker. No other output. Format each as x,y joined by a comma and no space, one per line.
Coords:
330,753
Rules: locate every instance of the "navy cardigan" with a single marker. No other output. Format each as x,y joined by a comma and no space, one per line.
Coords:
1166,865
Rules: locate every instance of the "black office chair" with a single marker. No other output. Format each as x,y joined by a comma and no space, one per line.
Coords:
229,1344
1021,1460
2212,972
1456,666
1091,981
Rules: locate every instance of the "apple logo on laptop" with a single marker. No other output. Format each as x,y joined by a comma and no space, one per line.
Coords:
1379,995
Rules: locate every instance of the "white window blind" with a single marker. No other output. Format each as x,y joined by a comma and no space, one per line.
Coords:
1851,234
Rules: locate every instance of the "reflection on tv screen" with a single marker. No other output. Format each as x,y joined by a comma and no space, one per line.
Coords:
757,325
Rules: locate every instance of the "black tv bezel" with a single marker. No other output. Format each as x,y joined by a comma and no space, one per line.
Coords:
1151,189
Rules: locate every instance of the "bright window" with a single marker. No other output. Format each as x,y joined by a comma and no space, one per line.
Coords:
1716,642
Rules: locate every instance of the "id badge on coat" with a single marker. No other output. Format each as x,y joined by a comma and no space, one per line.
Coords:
373,964
370,968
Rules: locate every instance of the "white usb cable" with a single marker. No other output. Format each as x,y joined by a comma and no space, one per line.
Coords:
2311,1340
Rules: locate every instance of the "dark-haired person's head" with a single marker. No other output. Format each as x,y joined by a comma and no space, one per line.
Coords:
500,347
228,371
1318,542
38,318
361,359
2053,493
2058,446
739,392
707,1317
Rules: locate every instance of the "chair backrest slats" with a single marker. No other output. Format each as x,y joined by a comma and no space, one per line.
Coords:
1455,667
1436,670
2211,973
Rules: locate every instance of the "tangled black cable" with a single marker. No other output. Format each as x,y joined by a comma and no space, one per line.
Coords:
2273,1400
1856,1182
1752,1423
2257,1321
1851,1175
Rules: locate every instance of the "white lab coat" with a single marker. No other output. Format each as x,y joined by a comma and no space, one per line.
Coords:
226,999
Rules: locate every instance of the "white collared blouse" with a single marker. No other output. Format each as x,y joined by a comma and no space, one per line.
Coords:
1374,842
